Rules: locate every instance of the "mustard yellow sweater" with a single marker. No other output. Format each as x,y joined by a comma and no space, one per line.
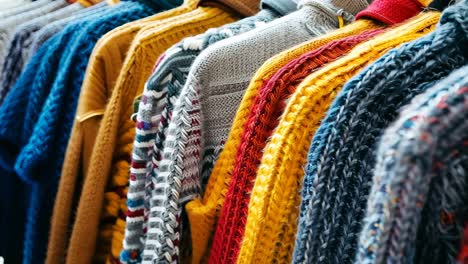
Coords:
273,209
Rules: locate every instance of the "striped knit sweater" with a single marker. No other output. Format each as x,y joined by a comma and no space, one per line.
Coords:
19,47
40,160
417,207
341,156
265,112
273,209
160,93
8,25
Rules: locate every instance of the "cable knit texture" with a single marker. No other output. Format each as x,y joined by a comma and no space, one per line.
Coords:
112,149
19,48
273,210
102,72
341,156
162,90
419,193
265,113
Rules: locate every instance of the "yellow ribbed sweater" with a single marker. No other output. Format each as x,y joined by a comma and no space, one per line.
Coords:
203,214
109,163
274,204
102,72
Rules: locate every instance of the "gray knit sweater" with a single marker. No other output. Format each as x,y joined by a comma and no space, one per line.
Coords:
8,25
19,47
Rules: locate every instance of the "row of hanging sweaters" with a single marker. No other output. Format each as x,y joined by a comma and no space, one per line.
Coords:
234,131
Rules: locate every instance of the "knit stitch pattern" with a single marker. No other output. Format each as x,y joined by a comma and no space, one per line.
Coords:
340,161
41,158
162,90
273,209
263,118
419,193
18,49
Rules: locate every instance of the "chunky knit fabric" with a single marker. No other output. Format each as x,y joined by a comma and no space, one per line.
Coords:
266,110
21,8
341,158
19,114
161,92
112,149
8,25
53,28
273,210
419,193
19,48
9,4
203,213
102,72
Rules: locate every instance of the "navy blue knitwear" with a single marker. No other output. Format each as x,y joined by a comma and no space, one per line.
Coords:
38,114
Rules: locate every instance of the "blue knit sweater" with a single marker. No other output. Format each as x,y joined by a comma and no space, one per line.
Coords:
38,114
341,157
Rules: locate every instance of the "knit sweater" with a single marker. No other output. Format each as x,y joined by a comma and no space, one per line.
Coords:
161,92
53,28
20,44
273,209
9,4
19,114
102,72
22,7
429,131
341,156
265,113
112,148
436,145
40,160
8,25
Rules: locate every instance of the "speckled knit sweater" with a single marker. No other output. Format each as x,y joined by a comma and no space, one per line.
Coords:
273,209
18,49
341,156
418,204
110,158
156,107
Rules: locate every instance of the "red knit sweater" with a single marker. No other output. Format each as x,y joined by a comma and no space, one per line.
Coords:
264,116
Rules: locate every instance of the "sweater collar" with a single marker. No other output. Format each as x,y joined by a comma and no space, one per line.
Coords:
391,12
282,7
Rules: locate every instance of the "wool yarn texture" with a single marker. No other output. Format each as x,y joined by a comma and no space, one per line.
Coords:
22,38
53,28
21,8
419,183
199,150
203,213
273,209
156,107
19,116
8,25
463,257
112,149
341,159
7,5
265,113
